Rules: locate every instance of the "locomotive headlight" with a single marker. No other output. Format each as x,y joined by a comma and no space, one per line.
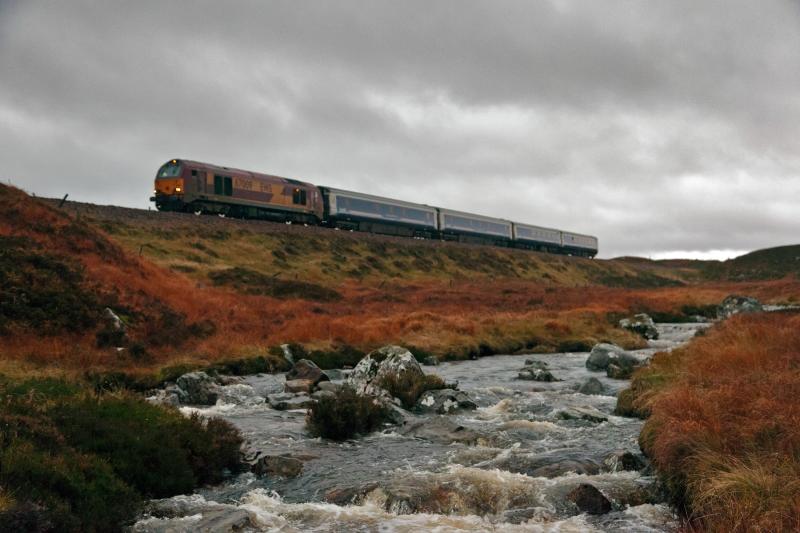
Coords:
177,189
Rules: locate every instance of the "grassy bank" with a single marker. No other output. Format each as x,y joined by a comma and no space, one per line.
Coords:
73,460
723,426
197,292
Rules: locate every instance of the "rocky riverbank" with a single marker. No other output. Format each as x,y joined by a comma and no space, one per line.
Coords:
528,454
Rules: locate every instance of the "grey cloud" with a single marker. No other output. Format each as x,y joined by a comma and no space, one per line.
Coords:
657,126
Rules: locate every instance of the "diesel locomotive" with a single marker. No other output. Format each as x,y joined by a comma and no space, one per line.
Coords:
191,186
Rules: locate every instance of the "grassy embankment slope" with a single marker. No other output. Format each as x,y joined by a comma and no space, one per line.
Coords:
199,290
724,424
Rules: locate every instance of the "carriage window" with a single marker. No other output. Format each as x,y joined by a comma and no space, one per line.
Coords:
299,197
217,184
228,186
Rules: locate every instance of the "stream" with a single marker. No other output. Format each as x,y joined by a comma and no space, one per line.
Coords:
506,466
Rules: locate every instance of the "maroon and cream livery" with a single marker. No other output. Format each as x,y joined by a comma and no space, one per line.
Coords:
183,185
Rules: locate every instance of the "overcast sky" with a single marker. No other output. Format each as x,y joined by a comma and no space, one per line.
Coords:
661,127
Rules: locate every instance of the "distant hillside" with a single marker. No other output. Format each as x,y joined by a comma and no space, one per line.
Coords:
767,264
204,247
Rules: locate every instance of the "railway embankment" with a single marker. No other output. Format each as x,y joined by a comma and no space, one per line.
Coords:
721,422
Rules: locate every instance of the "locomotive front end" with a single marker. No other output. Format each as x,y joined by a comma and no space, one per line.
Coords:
170,188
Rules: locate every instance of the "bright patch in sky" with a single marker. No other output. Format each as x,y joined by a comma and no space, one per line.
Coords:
708,255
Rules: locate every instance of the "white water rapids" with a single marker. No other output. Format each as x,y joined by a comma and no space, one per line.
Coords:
514,474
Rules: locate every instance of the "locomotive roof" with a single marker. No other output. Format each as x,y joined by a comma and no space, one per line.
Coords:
221,169
379,198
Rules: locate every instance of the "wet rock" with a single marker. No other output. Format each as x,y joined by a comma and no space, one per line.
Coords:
561,468
277,466
431,360
389,360
171,395
307,370
329,387
641,324
323,395
286,402
605,356
583,413
444,401
334,374
623,460
592,386
589,499
536,374
618,372
349,495
198,388
735,304
298,386
533,363
600,356
220,520
229,380
438,429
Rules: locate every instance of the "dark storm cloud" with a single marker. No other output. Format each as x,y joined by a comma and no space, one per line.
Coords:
658,126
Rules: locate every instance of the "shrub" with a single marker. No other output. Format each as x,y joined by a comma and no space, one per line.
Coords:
346,415
408,387
78,461
41,291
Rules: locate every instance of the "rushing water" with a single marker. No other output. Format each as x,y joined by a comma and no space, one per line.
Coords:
512,473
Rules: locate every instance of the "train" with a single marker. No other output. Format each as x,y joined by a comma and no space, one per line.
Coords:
191,186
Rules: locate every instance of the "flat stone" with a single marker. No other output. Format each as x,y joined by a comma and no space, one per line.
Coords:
583,413
287,402
299,385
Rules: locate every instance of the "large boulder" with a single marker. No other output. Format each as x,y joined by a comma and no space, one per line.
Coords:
589,500
641,324
734,305
601,355
389,361
305,369
444,401
198,389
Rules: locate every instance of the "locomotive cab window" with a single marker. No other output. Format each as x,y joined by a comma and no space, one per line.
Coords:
299,197
170,170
